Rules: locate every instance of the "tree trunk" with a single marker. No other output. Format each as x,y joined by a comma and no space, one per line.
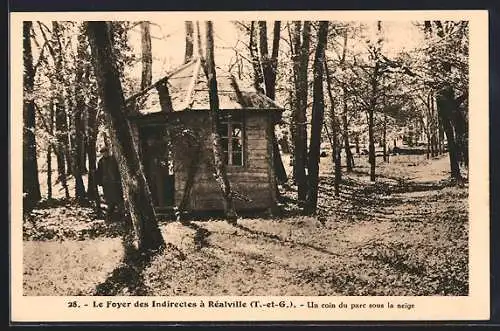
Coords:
453,123
336,155
440,135
371,145
78,118
265,61
164,96
300,65
269,68
198,40
147,58
136,190
60,112
31,184
445,102
384,139
188,55
91,147
317,120
345,124
69,106
219,163
49,150
433,126
80,193
371,111
257,69
345,134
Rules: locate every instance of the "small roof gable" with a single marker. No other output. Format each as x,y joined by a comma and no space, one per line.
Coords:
188,90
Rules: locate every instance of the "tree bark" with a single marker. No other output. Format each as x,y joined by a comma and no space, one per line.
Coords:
147,57
78,118
31,184
317,120
265,61
445,106
452,121
49,151
269,68
188,55
219,163
60,112
91,147
257,69
345,134
336,155
345,124
137,194
384,139
300,58
371,145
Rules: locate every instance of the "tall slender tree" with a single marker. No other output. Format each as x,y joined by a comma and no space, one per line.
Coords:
147,57
317,119
336,150
269,66
61,118
256,63
451,117
345,123
31,184
375,77
219,164
189,51
78,117
300,56
137,194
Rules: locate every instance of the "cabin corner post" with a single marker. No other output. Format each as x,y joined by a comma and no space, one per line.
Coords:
273,208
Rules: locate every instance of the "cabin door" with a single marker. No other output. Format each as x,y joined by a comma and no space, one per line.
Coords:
158,165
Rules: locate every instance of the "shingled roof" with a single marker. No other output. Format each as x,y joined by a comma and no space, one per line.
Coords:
188,91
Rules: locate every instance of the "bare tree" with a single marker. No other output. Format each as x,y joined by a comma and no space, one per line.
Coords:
31,185
317,120
300,57
188,55
256,64
333,136
78,119
220,167
136,189
269,67
147,58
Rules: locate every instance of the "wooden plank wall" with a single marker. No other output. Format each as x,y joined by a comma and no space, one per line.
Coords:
251,181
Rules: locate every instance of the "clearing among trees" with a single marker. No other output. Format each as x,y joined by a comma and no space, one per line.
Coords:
404,235
313,158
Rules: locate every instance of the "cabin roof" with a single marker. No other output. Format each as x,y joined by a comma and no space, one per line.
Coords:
188,90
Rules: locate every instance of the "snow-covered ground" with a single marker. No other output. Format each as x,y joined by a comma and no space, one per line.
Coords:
405,234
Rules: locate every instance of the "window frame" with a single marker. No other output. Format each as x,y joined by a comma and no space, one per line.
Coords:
228,119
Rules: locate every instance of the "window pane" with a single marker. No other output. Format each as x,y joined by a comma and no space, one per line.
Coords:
223,129
225,155
236,130
237,158
224,144
237,146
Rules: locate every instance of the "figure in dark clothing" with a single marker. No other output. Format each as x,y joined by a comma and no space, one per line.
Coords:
108,176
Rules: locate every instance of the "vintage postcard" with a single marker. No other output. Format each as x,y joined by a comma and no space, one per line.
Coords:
249,166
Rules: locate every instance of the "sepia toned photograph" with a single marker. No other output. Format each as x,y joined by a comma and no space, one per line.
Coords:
245,157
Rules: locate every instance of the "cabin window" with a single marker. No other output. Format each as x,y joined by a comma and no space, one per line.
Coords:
231,133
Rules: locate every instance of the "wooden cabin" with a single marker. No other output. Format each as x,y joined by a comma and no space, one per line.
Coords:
246,129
